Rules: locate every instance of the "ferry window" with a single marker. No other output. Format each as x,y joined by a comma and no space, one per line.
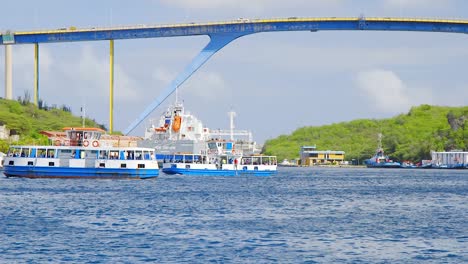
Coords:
146,155
14,152
51,164
141,166
138,155
25,152
113,154
123,165
256,160
188,158
41,153
102,165
178,158
102,154
30,163
130,155
50,153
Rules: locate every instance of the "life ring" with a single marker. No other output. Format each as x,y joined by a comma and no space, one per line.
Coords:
58,142
85,143
95,144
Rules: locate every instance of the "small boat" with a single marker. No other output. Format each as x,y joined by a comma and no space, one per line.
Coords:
220,159
380,160
83,157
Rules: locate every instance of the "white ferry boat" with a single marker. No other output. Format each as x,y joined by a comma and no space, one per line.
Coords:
82,155
220,158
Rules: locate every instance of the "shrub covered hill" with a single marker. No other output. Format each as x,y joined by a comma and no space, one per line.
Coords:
409,136
27,120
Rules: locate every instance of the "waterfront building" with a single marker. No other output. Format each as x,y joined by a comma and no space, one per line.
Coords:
310,156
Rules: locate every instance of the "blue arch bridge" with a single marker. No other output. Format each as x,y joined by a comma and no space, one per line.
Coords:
220,33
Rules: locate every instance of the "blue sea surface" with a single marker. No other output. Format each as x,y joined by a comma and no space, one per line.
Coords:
300,215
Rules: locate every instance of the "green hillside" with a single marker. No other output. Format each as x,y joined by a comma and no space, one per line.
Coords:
408,136
27,120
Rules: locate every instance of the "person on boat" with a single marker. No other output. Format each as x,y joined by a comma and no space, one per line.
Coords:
235,163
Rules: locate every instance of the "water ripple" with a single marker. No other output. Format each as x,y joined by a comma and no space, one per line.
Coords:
301,215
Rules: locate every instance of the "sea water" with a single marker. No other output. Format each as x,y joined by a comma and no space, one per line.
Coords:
300,215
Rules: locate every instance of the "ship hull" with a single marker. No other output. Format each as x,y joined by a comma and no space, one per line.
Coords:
86,173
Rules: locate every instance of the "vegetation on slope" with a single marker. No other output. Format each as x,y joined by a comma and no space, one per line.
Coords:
409,136
27,120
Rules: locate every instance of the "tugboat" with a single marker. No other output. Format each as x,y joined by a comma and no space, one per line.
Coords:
380,160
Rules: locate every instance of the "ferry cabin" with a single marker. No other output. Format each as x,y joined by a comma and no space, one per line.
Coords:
65,161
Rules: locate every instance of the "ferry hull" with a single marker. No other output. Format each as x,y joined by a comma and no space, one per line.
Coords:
86,173
215,172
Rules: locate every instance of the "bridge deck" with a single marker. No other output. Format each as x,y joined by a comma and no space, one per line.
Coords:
241,25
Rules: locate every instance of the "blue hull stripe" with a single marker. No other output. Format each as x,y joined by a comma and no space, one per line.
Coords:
217,172
60,172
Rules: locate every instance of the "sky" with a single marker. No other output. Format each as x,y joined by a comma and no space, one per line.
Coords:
275,82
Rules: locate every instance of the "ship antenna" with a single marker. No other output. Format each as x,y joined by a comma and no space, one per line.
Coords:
231,114
83,114
380,141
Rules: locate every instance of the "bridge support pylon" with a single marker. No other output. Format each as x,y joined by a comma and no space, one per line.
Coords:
8,72
217,42
36,73
111,86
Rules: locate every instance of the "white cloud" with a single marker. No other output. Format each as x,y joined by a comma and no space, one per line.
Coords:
207,86
95,71
417,3
163,75
385,89
249,4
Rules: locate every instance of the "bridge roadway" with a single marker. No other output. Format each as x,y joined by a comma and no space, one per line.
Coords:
221,34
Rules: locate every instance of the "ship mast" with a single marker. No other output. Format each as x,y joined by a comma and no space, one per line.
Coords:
380,141
231,114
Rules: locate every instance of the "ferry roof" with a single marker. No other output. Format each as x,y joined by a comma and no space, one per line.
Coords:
84,129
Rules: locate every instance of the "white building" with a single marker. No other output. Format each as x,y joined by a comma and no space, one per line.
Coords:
449,158
4,132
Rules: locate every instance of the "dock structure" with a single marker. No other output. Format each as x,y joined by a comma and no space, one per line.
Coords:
220,34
